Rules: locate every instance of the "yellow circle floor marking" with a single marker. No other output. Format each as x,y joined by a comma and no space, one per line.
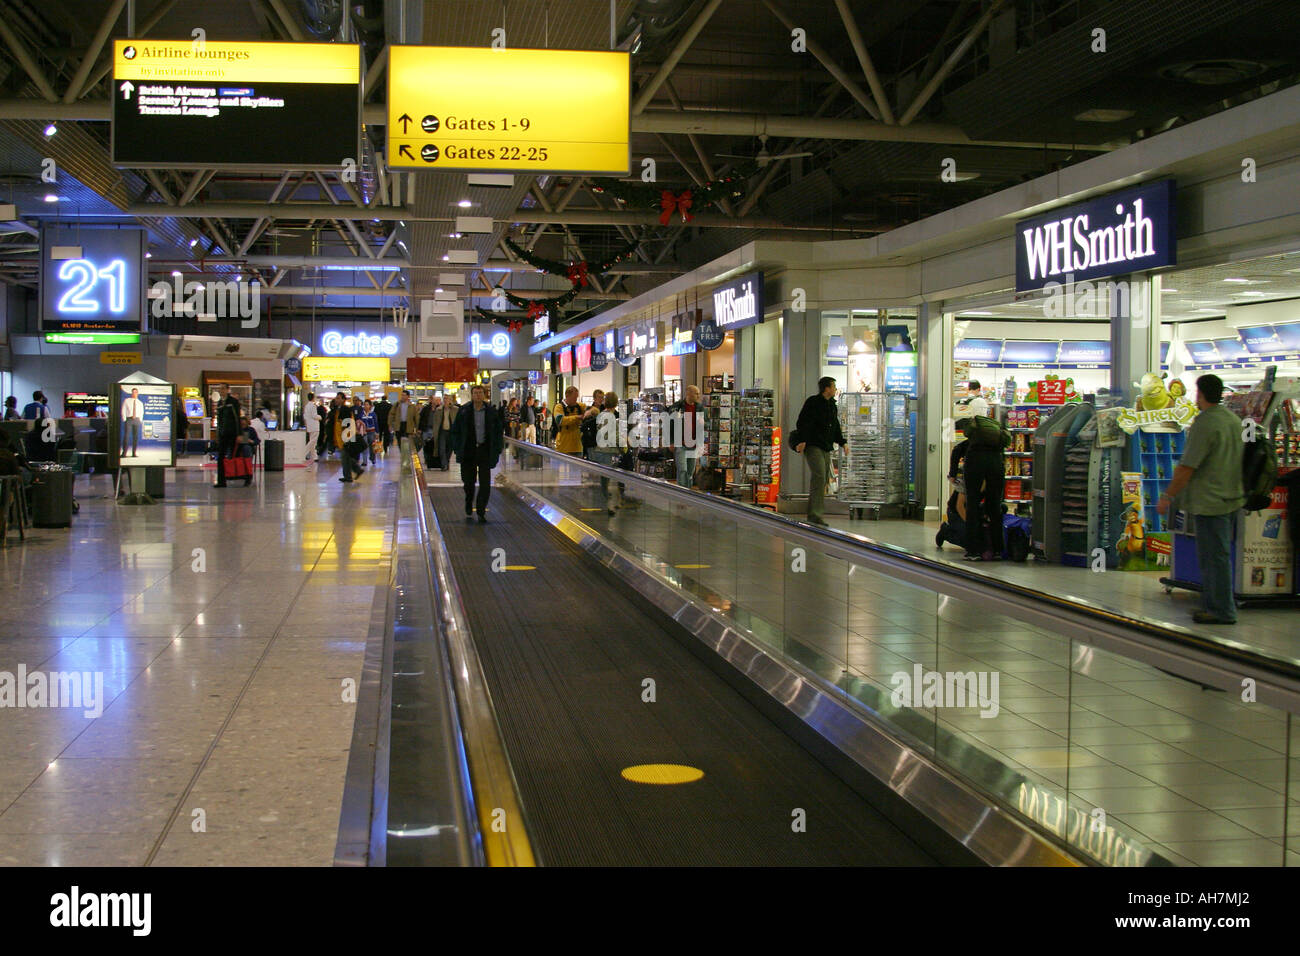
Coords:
662,773
692,567
520,567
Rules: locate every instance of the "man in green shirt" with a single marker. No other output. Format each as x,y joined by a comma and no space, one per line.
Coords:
1208,479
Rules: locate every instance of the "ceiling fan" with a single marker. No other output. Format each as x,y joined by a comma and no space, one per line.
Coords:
763,157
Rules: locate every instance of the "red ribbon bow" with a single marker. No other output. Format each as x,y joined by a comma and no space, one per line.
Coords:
536,311
514,325
578,274
671,204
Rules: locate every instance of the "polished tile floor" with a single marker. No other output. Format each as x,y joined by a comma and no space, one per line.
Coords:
225,625
1193,774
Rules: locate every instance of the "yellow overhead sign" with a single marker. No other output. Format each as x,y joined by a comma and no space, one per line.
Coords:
326,369
194,62
493,110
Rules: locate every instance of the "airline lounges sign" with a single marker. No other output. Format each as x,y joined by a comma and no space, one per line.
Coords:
1127,231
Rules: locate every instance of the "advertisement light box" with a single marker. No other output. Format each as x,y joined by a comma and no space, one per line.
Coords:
1084,353
508,110
1029,353
1203,353
1288,334
1231,350
101,290
977,350
182,103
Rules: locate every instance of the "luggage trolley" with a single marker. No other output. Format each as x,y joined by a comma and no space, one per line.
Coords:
874,474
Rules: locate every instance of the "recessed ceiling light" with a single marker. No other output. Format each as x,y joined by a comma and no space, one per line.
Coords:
1169,290
176,272
464,204
193,243
446,258
1252,292
1245,281
50,197
453,235
51,130
439,289
1103,116
148,255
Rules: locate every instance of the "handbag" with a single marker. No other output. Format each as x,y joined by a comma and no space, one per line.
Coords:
239,467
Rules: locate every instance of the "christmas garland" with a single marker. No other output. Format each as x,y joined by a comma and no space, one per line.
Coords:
534,308
640,195
578,273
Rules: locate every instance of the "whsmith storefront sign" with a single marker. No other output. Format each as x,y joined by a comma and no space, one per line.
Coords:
739,302
1127,231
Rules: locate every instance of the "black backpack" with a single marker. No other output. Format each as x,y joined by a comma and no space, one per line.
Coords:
588,429
1259,471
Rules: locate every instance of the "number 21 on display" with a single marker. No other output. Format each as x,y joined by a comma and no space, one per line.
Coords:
85,275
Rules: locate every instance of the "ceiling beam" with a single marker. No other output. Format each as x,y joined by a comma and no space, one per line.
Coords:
704,122
827,61
647,92
97,42
864,58
927,91
571,217
27,62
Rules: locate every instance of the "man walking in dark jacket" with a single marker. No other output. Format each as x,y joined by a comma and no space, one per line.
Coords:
476,440
819,431
227,431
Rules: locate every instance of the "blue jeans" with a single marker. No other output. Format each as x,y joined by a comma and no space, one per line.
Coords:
686,468
1213,557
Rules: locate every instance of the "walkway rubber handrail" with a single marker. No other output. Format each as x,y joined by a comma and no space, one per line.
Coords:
1216,662
491,791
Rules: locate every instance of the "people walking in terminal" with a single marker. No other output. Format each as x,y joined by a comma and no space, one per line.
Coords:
818,427
384,408
1207,485
311,421
685,422
476,440
568,418
372,427
132,423
11,409
442,425
352,430
403,420
528,420
588,425
38,409
609,449
513,418
227,431
984,481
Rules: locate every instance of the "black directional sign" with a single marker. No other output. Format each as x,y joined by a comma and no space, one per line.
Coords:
184,103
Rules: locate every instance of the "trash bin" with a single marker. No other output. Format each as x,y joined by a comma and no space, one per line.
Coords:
52,497
273,455
155,481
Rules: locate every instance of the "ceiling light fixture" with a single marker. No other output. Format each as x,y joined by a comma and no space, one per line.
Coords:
50,130
1103,116
464,204
50,197
1244,281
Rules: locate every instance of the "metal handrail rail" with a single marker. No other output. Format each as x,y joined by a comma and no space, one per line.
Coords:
491,792
1189,655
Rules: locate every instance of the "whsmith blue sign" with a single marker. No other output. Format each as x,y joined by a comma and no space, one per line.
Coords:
1127,231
